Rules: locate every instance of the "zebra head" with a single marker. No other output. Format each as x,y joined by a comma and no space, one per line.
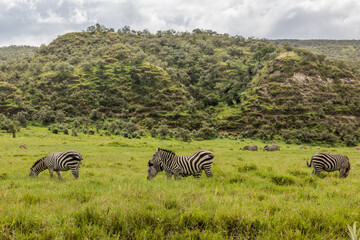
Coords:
38,167
155,164
347,170
154,169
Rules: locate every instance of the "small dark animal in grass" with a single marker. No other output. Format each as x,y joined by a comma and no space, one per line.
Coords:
250,148
272,147
357,148
180,166
58,161
22,146
329,163
302,147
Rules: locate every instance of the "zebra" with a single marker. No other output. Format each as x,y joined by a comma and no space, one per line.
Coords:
180,166
272,147
250,148
58,161
330,162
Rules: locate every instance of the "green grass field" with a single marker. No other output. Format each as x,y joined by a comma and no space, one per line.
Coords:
253,195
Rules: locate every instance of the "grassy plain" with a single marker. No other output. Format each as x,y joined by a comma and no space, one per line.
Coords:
253,195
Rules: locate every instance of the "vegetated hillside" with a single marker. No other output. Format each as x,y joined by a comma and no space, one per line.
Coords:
185,80
302,98
166,76
14,52
348,50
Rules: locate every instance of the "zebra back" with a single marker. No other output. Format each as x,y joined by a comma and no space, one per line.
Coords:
64,161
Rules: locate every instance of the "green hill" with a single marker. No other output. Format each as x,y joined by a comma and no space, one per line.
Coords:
348,50
199,80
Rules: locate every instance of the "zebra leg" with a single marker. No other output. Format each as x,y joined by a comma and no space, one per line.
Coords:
59,176
168,174
316,171
197,174
208,172
51,171
177,176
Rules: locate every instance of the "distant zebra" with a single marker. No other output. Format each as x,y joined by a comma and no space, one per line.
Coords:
180,166
250,148
23,146
272,147
330,162
58,161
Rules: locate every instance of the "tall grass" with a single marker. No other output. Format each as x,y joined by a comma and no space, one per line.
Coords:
253,195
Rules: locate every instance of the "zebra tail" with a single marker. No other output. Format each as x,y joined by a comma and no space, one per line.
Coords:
309,165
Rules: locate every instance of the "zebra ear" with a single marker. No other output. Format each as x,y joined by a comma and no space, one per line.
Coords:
157,149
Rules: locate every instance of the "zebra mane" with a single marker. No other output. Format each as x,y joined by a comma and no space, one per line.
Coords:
168,151
37,162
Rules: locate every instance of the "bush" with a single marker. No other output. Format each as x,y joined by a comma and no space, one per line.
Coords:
95,114
74,132
153,132
247,168
282,180
130,127
183,134
162,130
206,132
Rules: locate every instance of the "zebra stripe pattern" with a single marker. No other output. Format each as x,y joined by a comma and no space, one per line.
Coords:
180,166
330,162
58,161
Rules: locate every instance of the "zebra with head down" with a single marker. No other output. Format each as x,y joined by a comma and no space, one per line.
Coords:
180,166
58,161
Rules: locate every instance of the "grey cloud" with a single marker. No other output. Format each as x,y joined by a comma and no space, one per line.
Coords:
303,24
40,21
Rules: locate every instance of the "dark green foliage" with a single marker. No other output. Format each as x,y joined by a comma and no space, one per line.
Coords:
282,180
250,87
205,132
182,134
247,168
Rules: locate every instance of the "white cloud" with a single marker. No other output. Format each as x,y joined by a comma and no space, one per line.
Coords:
79,16
50,17
332,19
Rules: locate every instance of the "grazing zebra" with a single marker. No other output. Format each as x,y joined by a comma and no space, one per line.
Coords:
180,166
58,161
330,162
272,147
250,148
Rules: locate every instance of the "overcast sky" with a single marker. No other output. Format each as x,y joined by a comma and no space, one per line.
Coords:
36,22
